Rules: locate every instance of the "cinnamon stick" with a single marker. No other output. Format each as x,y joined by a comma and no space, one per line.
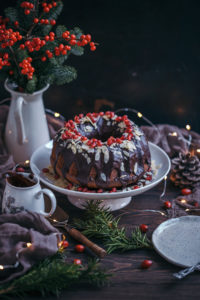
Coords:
77,235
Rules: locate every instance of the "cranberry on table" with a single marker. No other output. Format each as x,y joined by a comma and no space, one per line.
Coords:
146,264
167,204
77,261
64,244
143,228
186,191
79,248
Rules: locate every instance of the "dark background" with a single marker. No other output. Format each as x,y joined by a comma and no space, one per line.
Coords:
148,59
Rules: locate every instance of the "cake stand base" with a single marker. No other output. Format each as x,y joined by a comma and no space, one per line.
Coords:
111,204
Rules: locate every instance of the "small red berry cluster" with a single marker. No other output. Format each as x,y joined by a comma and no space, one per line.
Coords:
72,133
47,7
8,37
83,41
4,61
33,45
27,68
28,6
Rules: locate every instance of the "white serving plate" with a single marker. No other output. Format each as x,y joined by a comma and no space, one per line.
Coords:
178,240
41,159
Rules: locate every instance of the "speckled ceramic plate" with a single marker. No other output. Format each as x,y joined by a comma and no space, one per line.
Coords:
178,240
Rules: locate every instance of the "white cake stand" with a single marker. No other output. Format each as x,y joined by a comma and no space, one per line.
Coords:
41,159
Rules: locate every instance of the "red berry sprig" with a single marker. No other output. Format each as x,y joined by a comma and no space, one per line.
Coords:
27,68
4,61
33,45
47,7
8,37
28,7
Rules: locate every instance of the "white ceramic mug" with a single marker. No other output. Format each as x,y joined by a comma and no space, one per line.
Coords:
30,198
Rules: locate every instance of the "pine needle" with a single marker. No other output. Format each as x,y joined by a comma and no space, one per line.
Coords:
53,275
99,223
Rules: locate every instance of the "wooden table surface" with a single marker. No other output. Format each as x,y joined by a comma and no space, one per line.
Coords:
129,280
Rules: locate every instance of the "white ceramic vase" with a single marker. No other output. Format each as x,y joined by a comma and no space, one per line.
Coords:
26,127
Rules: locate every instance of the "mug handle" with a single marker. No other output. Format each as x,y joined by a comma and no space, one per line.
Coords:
52,197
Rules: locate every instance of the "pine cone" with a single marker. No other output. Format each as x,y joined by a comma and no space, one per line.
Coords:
185,171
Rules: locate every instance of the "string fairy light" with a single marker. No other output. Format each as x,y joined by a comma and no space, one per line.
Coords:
14,266
56,114
183,201
188,127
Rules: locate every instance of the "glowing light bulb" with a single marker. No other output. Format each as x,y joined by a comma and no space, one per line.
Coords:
28,245
27,161
56,114
139,114
54,220
1,267
174,133
198,150
165,177
183,201
188,127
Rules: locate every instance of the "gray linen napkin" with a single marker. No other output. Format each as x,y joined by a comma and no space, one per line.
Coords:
16,230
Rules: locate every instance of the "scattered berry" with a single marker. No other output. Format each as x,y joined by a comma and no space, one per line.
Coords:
167,204
146,264
79,248
186,192
143,228
77,261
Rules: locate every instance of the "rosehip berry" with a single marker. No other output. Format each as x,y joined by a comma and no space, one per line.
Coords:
46,9
36,20
186,192
93,48
146,264
79,248
16,23
143,228
167,204
64,244
27,11
77,261
53,22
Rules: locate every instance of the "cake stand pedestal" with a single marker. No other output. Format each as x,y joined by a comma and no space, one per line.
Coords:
111,204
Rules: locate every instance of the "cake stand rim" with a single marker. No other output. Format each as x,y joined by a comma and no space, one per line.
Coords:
96,196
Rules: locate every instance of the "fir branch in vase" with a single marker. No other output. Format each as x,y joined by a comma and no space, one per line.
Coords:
99,223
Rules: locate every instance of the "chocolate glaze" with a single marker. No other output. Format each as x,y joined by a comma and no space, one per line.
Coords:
125,168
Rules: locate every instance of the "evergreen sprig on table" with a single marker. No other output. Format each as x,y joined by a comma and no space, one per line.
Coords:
33,52
53,275
99,223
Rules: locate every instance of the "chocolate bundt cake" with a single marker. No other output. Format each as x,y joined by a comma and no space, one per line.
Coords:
100,150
